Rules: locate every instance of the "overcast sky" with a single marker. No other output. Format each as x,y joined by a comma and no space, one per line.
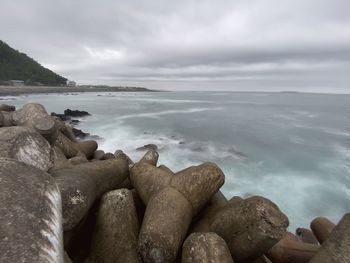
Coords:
187,45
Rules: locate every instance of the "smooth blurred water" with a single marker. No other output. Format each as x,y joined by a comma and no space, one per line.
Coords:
290,147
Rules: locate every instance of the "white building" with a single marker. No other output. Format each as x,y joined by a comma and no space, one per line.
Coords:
15,82
71,83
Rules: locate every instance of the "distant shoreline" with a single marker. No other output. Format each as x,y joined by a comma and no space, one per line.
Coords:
18,90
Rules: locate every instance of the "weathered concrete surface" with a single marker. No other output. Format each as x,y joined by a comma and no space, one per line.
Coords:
72,149
306,235
67,258
139,205
291,250
30,221
165,168
202,222
198,183
78,160
336,248
7,119
151,157
321,227
87,147
28,113
116,230
46,126
98,155
25,145
1,119
172,201
6,107
66,145
205,247
65,129
119,154
148,180
82,184
59,159
262,259
250,227
107,156
167,217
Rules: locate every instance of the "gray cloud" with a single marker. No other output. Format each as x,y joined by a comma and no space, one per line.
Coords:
238,45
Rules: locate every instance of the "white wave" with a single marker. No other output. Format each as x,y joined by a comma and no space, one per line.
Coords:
305,114
166,112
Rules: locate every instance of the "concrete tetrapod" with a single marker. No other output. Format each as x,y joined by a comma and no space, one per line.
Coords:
1,119
7,119
35,116
72,149
117,227
321,227
203,224
205,248
6,107
151,157
30,221
25,145
82,184
172,201
249,226
291,250
306,235
336,248
30,112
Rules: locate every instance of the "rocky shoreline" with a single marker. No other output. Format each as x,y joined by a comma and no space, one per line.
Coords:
18,90
63,200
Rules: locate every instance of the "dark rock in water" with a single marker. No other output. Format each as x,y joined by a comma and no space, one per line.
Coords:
76,113
80,134
31,218
63,117
74,122
199,149
237,153
148,147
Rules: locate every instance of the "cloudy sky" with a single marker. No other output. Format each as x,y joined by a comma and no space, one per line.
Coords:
186,44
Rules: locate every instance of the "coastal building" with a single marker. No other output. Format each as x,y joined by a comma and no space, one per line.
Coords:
16,82
71,83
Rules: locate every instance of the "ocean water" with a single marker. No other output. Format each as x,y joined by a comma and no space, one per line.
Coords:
293,148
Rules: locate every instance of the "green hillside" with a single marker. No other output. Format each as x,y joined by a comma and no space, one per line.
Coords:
18,66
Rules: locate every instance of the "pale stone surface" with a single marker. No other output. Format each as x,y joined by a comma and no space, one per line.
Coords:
31,227
25,145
